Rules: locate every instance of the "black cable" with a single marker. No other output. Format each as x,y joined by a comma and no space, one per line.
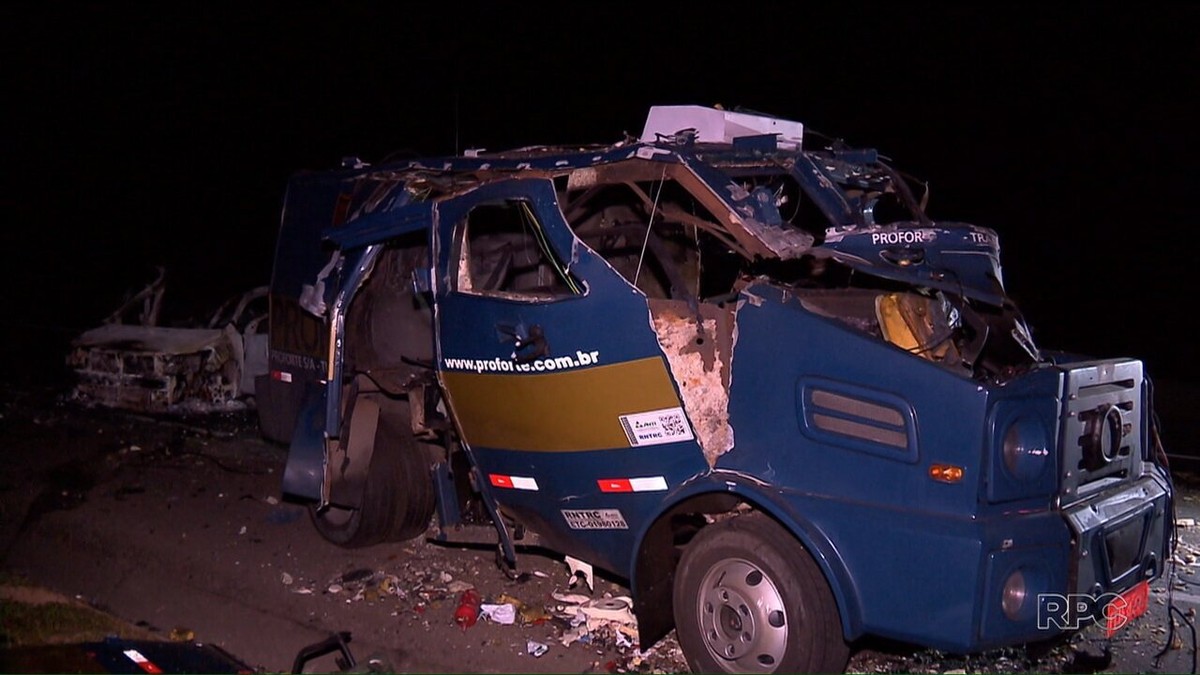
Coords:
933,343
1171,636
1172,610
1192,629
1159,457
1170,620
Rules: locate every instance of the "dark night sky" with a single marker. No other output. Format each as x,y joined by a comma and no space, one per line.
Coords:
164,134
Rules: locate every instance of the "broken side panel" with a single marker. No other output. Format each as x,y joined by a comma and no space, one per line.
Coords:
510,323
971,339
551,408
662,240
698,345
849,428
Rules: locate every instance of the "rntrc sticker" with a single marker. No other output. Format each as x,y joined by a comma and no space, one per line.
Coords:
595,519
656,427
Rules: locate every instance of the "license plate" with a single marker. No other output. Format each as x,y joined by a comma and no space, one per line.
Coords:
1126,607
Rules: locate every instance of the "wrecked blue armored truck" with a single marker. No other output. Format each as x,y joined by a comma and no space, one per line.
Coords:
742,369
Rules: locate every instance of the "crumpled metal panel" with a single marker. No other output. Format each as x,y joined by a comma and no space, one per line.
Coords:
952,257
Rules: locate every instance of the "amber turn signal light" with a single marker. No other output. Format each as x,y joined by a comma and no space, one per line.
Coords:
946,473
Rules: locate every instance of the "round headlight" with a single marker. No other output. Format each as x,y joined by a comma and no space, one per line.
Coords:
1102,436
1012,598
1026,448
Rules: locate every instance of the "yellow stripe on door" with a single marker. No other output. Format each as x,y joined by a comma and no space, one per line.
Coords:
566,411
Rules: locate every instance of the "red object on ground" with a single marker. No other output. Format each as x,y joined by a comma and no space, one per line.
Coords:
468,608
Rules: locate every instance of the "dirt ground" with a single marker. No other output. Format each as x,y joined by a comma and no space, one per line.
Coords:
177,527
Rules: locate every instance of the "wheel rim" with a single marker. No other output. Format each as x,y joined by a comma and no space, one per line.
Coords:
742,618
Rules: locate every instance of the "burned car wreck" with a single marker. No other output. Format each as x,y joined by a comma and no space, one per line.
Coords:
752,377
131,362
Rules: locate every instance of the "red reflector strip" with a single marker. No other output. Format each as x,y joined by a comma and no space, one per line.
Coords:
143,662
281,376
645,484
615,485
513,482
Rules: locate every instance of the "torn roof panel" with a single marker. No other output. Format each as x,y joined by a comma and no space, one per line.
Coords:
401,219
843,183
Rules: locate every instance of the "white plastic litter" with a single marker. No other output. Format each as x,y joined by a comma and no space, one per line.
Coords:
578,568
617,609
503,614
570,598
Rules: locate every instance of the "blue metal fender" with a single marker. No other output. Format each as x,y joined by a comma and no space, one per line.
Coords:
764,498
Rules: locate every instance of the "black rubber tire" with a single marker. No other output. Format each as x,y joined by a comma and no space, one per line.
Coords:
747,585
398,499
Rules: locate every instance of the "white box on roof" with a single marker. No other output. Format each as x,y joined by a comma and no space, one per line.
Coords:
714,125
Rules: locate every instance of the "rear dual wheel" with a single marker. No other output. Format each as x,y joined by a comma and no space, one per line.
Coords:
750,599
398,500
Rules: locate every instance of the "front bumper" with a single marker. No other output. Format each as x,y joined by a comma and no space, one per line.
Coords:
1118,539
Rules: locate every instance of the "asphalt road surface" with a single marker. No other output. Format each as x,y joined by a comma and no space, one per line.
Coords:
177,525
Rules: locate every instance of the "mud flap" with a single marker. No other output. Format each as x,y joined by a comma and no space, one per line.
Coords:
278,405
304,473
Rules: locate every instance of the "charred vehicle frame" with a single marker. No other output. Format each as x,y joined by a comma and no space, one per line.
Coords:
133,362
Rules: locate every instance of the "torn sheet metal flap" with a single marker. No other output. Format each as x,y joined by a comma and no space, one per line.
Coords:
952,257
382,225
755,218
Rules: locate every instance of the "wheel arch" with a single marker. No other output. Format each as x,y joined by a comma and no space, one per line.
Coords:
659,545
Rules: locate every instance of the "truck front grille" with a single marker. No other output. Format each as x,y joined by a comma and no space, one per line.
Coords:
1101,426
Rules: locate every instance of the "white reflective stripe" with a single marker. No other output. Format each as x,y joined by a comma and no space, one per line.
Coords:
523,483
648,484
144,663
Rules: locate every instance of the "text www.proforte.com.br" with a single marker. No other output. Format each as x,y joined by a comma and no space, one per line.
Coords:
499,365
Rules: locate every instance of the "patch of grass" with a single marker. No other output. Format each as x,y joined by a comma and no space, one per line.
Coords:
51,623
10,578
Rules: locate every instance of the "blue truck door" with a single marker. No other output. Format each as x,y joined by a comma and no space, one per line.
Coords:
553,373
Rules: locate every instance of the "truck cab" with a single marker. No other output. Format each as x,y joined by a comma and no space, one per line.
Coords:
750,376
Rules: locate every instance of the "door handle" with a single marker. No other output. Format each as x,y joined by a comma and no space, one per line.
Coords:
528,344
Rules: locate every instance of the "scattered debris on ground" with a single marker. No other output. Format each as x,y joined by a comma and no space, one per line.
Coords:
419,584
